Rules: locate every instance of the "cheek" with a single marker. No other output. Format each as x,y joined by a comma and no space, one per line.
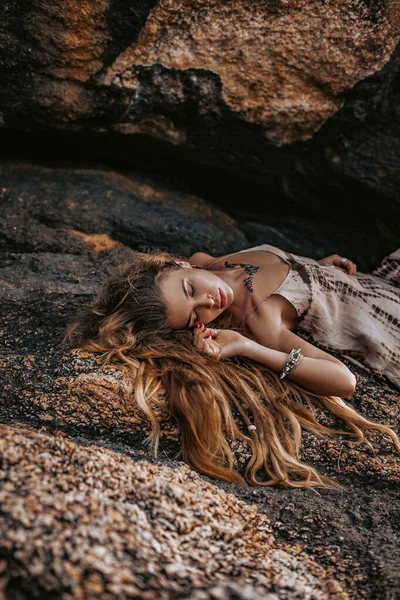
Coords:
206,315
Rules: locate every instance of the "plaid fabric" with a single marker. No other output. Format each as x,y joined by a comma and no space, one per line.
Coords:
358,313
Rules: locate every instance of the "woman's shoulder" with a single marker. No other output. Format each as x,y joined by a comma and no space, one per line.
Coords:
201,259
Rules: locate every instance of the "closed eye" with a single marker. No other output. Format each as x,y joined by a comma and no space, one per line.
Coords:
189,323
197,318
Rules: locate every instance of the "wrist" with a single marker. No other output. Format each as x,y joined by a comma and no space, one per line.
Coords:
248,347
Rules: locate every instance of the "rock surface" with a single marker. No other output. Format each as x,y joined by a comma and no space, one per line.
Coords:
286,115
51,264
280,65
118,528
73,211
280,110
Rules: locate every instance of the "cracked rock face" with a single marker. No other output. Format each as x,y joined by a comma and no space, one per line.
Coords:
281,65
282,112
87,522
297,97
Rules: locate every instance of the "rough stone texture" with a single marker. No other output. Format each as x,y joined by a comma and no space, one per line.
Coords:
281,65
294,130
210,92
89,523
71,211
50,265
65,209
353,533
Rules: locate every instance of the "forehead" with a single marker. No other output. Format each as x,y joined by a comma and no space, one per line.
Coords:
171,279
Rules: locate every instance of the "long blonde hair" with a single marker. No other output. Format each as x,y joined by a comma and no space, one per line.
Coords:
213,401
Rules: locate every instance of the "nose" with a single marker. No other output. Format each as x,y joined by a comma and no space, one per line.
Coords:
208,301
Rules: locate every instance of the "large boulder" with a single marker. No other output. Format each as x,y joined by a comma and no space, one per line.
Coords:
91,523
277,111
280,65
282,110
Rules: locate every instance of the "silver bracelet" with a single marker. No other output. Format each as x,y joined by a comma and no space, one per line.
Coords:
293,359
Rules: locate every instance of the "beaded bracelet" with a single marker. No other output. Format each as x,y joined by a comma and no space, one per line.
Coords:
293,359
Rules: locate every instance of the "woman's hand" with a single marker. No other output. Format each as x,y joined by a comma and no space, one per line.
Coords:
219,343
348,267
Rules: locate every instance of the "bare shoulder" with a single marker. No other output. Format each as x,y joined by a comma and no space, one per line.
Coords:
201,259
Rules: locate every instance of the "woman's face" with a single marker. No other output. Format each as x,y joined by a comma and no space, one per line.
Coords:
194,295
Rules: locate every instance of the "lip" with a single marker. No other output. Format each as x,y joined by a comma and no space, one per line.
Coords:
222,298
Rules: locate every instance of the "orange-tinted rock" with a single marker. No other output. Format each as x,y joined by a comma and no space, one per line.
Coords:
97,522
281,65
295,98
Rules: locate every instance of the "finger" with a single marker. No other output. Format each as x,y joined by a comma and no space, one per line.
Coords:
210,332
338,262
201,336
209,345
346,267
198,337
200,328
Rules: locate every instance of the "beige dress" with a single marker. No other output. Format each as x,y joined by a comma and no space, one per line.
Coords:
358,313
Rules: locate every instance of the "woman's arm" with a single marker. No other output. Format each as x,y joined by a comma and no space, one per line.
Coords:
318,371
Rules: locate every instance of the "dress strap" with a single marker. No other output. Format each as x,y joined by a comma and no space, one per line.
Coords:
254,307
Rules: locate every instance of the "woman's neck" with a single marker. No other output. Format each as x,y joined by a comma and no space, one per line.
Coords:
235,277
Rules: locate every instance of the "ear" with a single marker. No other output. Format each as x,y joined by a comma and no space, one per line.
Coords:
184,264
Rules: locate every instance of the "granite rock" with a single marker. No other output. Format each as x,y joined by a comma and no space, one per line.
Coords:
280,111
88,522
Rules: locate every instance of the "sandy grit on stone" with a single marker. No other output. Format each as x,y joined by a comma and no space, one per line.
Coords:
87,522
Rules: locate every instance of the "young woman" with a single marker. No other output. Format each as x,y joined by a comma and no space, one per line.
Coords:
272,293
152,317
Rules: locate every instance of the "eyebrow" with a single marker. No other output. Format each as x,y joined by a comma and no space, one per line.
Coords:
187,296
